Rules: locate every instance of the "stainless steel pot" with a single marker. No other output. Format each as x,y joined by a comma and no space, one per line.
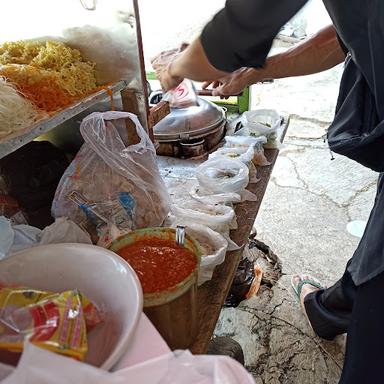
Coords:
192,131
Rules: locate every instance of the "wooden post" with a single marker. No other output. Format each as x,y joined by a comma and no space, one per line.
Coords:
130,104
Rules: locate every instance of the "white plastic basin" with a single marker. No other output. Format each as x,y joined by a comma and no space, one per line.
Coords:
102,276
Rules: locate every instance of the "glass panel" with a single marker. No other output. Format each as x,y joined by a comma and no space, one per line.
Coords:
103,30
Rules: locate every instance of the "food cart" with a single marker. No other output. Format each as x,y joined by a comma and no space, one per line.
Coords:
112,28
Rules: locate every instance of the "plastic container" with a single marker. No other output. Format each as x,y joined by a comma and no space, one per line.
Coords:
174,311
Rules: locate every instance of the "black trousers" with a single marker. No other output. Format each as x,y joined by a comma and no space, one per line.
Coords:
359,312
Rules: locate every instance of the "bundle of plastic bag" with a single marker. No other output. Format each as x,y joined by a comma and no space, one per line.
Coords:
109,184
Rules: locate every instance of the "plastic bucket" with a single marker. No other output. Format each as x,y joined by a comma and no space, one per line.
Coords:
173,311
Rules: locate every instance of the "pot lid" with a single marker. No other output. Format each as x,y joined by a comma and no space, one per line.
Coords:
184,123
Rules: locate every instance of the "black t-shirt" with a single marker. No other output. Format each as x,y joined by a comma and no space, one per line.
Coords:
241,34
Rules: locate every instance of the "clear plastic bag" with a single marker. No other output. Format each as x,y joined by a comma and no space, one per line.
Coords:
217,217
183,96
116,184
223,175
213,246
243,154
206,197
263,122
242,140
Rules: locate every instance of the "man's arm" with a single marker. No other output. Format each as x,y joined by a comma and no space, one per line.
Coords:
241,34
316,54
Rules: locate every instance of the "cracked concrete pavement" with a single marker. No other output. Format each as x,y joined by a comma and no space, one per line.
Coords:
303,218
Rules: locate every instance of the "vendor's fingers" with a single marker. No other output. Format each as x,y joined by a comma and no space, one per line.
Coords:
184,45
206,84
220,91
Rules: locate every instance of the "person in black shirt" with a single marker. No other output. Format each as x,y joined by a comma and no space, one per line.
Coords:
230,54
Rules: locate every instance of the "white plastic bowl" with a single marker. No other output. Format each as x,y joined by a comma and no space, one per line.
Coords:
101,275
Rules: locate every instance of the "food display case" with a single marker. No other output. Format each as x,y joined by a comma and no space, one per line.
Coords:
106,33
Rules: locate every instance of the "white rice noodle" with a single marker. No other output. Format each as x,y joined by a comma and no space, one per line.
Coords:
16,112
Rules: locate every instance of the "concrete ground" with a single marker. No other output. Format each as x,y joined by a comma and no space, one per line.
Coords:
303,219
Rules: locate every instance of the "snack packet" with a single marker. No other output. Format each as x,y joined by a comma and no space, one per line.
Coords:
54,321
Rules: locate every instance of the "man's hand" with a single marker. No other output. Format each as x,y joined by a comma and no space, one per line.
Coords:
231,84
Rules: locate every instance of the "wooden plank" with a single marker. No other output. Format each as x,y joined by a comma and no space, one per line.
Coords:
212,294
143,77
157,113
130,103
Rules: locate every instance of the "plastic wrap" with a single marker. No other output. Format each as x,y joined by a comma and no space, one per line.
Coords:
223,175
114,49
119,185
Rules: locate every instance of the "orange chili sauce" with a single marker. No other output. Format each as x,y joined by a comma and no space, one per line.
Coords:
159,264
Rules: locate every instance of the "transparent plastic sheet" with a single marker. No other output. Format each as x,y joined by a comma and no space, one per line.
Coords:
38,366
121,185
241,139
64,230
104,33
263,122
113,48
